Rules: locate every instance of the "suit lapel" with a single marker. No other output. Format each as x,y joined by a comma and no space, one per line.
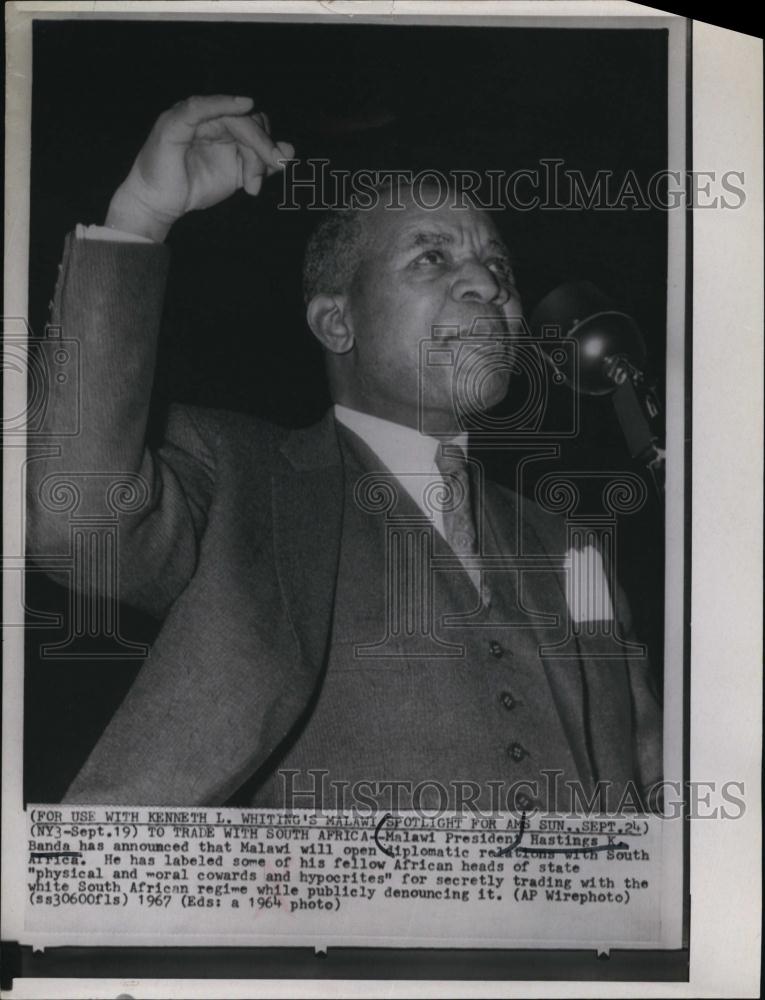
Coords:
307,499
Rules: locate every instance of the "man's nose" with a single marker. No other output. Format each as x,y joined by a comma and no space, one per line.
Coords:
476,283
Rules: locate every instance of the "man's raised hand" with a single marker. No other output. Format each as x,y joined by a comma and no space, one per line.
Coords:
198,153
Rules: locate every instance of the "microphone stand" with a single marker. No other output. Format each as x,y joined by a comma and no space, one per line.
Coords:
636,405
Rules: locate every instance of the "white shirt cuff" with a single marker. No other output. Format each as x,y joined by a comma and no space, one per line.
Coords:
107,234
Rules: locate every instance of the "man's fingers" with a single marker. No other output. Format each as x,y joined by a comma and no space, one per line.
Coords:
248,133
286,150
262,119
180,121
252,168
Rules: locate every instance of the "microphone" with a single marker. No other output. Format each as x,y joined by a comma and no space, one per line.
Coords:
610,359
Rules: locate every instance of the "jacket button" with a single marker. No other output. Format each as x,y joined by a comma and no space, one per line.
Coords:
517,752
507,700
495,649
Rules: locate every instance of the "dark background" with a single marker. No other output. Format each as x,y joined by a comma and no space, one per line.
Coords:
361,96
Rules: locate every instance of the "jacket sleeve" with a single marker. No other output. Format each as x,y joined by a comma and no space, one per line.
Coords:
89,467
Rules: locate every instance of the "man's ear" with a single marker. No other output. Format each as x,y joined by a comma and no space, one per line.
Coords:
329,319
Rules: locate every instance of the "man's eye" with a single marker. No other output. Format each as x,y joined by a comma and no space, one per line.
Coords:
430,257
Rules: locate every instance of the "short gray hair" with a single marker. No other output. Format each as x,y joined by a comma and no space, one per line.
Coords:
335,248
333,253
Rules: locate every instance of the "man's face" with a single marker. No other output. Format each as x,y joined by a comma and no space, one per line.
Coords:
423,270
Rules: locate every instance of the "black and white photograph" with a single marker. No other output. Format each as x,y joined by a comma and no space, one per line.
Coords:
350,589
344,502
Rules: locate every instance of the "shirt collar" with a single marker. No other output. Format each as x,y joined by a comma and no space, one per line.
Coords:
401,448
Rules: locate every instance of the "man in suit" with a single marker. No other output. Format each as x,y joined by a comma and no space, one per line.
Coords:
350,608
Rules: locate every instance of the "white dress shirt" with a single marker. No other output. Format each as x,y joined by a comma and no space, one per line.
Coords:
409,455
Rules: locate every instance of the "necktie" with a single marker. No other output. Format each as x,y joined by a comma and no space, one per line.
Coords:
459,523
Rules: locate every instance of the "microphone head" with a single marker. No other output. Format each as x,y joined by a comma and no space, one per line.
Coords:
580,311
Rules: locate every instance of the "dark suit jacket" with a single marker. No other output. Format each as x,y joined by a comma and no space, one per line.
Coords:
230,532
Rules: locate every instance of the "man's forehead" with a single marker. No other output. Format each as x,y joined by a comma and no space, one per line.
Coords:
422,234
412,226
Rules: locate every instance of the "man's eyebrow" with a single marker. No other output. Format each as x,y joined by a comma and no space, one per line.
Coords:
424,237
